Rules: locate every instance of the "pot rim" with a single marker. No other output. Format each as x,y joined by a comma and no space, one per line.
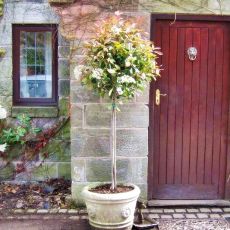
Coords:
111,197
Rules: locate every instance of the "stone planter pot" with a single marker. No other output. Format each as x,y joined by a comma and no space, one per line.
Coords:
111,211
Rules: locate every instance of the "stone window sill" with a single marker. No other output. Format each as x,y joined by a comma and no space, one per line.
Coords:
35,111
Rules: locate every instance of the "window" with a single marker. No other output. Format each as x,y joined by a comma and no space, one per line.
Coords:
35,64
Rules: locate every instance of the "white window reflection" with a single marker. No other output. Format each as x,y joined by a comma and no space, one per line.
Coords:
35,64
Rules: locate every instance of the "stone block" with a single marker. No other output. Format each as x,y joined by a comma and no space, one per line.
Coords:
63,51
64,106
6,102
5,69
143,97
64,88
215,216
62,41
90,142
207,210
97,115
128,170
133,116
98,170
139,170
124,173
216,210
6,32
47,170
154,216
156,210
63,68
168,210
7,172
80,94
35,111
78,170
64,132
5,86
132,143
76,189
190,216
178,216
76,115
166,217
192,210
144,191
57,150
180,210
202,216
37,12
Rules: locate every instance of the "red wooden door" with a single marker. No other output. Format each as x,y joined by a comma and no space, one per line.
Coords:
189,127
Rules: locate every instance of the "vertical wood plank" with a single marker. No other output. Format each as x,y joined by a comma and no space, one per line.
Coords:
171,105
225,111
217,105
210,106
164,106
194,108
157,115
202,104
187,110
179,106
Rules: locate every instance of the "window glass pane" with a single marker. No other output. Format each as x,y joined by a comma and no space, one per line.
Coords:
35,64
40,39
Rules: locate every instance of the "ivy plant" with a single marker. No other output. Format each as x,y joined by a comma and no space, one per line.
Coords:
18,134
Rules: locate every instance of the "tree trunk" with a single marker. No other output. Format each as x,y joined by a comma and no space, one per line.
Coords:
113,139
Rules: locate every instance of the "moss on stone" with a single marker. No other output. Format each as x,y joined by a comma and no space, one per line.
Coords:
44,172
7,172
63,107
64,132
58,150
64,170
1,7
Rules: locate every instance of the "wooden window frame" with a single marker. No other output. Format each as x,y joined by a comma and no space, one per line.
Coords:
17,100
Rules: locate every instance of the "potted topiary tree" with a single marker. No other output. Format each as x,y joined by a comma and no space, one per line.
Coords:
119,62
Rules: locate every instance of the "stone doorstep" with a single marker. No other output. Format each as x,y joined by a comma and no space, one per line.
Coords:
187,203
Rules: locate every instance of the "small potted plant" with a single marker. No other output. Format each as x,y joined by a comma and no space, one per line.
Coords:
119,62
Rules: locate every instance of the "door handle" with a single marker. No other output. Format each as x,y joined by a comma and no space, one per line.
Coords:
158,96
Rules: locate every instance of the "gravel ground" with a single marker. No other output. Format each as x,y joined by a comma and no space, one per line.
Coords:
62,222
195,224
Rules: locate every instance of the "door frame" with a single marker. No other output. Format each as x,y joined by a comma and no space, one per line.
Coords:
182,17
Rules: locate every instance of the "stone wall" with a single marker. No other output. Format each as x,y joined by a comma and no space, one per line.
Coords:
58,164
90,118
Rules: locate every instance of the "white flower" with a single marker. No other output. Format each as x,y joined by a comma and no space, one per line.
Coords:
118,13
3,147
126,79
119,91
115,29
143,76
129,60
158,71
97,73
3,112
111,71
78,71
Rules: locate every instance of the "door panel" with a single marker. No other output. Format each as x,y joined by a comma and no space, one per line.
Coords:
189,131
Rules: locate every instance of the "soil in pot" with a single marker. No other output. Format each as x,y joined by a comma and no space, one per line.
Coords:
106,189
